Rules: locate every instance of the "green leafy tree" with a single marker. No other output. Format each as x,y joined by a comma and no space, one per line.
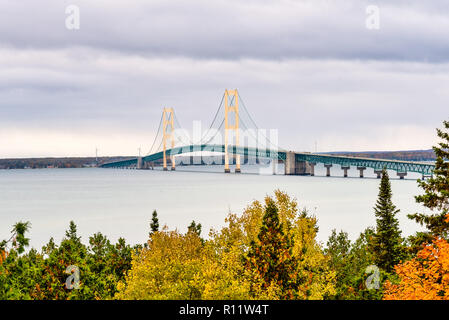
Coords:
338,250
436,195
350,261
42,275
362,257
387,244
271,257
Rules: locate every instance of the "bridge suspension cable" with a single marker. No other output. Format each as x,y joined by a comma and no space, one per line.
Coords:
205,135
213,121
255,125
178,125
206,138
218,130
157,134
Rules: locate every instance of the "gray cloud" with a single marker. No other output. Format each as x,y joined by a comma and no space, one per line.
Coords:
308,68
409,30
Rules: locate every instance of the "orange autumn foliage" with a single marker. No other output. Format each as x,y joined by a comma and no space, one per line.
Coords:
425,277
2,256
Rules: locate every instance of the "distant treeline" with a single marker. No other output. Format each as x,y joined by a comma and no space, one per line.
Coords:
412,155
36,163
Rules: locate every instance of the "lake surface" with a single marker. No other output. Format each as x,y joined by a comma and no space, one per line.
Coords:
119,202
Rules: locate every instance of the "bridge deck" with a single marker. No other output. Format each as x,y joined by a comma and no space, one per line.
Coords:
377,164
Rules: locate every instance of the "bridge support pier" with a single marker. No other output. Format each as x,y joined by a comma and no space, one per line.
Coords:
427,176
361,169
379,173
293,167
345,170
139,163
328,169
289,165
312,168
302,168
401,175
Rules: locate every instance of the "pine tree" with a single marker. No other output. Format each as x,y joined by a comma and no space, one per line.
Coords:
387,243
195,228
436,195
18,239
154,225
271,258
71,233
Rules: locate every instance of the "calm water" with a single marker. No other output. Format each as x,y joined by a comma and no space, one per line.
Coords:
119,203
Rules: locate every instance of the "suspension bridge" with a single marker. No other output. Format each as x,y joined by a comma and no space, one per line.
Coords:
174,142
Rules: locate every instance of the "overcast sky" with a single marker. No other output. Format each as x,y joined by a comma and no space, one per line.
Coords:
310,68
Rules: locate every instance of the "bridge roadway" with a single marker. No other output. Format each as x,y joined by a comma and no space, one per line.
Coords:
296,163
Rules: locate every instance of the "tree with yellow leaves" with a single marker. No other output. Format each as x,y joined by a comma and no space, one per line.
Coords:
182,266
312,265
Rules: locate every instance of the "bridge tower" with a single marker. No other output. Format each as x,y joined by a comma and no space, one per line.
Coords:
231,105
168,122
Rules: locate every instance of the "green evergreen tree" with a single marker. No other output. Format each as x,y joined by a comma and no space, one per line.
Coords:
436,195
154,225
386,243
18,239
71,233
271,258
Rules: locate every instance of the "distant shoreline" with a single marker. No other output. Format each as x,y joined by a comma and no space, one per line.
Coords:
55,162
